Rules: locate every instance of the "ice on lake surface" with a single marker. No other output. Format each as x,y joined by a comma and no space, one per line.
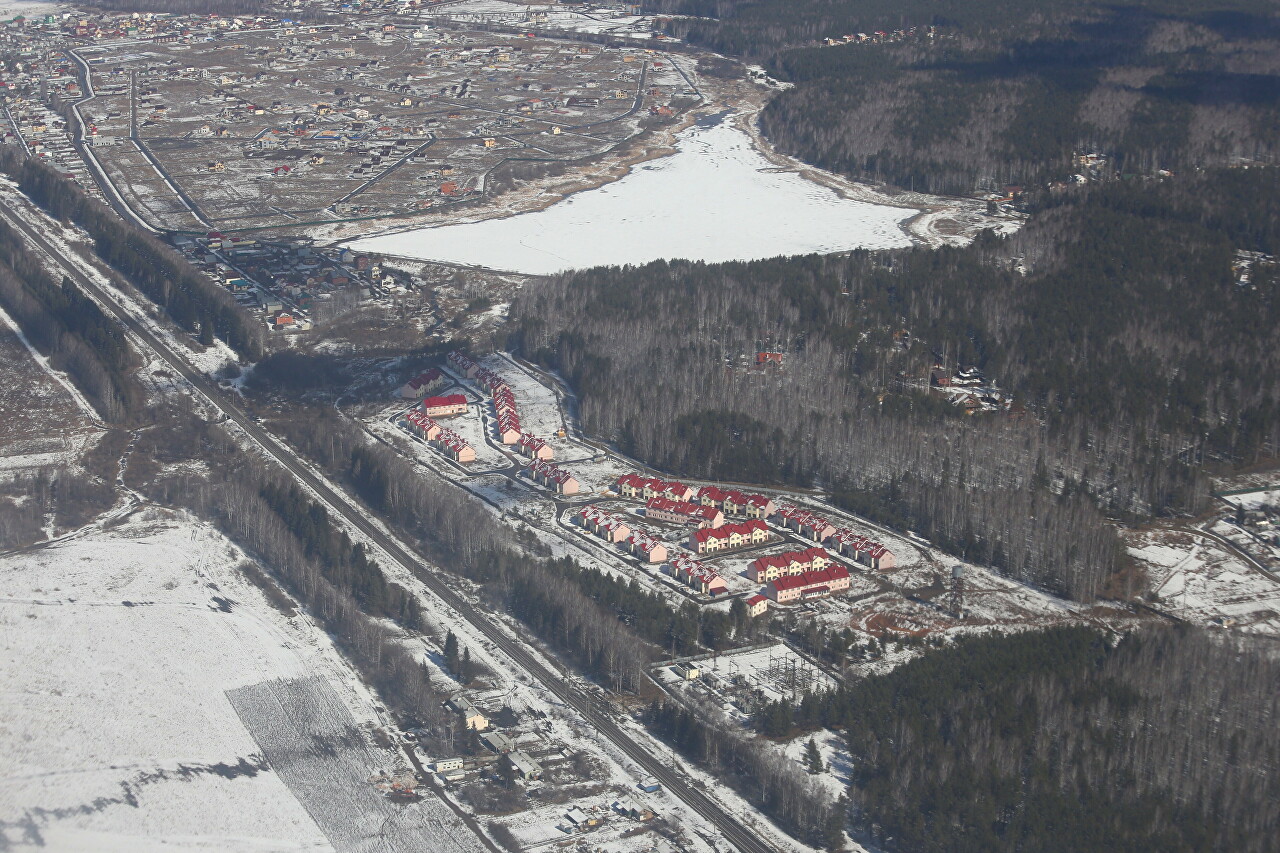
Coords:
716,199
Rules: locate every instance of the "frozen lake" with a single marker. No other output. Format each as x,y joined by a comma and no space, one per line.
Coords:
716,199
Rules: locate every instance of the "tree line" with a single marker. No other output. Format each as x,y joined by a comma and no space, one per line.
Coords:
68,328
1065,740
191,299
1001,96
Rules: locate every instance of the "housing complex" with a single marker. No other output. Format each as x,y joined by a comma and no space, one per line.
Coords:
507,426
644,488
614,529
766,569
606,525
854,545
811,573
737,503
818,583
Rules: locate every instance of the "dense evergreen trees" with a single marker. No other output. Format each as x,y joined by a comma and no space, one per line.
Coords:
1004,93
1067,740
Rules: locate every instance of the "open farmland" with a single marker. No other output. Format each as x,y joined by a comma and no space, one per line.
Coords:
152,621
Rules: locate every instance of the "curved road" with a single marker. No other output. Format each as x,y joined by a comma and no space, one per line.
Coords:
595,710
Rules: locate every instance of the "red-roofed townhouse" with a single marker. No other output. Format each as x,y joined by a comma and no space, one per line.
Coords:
653,489
766,569
711,496
455,446
682,512
709,540
679,492
756,605
421,425
613,529
439,407
646,547
423,383
808,585
531,445
463,365
630,485
759,506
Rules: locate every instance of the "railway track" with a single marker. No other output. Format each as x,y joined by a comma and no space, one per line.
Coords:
595,710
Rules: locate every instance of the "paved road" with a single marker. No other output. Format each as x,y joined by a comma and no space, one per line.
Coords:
596,711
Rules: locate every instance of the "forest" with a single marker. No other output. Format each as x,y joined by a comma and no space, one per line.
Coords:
1064,740
1002,95
69,329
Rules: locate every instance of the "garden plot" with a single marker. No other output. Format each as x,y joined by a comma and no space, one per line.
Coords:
1197,579
313,744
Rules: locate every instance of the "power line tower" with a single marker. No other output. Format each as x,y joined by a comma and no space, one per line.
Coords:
955,598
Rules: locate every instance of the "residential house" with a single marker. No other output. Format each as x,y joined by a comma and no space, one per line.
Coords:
462,364
423,383
421,425
471,715
646,547
531,445
697,575
548,474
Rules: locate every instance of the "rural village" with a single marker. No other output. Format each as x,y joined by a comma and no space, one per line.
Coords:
235,135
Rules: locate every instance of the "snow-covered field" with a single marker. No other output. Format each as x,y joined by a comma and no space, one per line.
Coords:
517,14
716,199
1197,579
119,651
10,9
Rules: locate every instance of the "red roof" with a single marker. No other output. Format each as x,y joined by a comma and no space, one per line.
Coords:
819,577
447,400
744,528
